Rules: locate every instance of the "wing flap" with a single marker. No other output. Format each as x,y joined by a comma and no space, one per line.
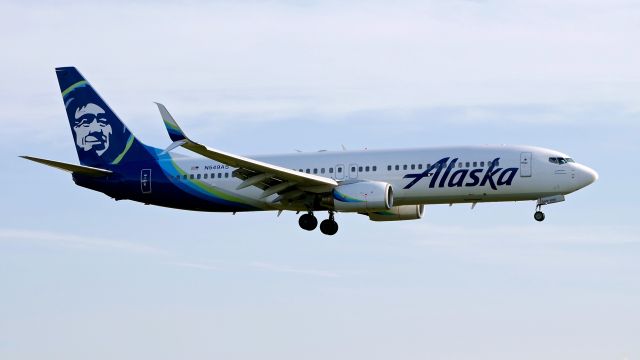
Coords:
76,169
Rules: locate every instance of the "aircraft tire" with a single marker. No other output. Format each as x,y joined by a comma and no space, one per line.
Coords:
329,227
539,216
308,222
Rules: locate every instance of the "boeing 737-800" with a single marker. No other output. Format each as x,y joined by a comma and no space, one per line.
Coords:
385,185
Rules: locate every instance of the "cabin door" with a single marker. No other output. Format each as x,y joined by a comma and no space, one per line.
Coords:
525,164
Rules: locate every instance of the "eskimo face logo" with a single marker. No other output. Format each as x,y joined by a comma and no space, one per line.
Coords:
92,129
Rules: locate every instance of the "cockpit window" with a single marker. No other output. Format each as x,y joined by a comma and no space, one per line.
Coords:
560,160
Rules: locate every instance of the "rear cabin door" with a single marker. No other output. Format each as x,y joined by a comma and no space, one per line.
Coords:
525,164
145,181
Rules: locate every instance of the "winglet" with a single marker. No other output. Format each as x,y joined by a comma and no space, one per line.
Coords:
175,133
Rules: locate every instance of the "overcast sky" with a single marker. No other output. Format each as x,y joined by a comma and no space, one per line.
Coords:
82,276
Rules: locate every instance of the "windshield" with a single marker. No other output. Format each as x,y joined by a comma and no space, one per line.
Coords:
560,160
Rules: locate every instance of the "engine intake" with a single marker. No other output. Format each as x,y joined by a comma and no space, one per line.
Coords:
362,196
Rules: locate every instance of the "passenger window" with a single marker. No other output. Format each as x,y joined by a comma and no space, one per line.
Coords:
219,175
397,167
199,176
475,164
459,164
308,171
226,175
205,176
481,163
375,168
360,168
428,165
315,171
184,177
419,166
330,170
191,176
340,170
366,168
322,171
300,170
404,167
388,167
353,169
466,164
413,166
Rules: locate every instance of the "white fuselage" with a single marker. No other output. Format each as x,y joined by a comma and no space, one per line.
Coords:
519,173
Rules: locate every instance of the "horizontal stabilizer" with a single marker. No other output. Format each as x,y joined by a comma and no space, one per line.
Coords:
76,169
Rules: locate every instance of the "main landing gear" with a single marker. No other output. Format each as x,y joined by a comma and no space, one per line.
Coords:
309,222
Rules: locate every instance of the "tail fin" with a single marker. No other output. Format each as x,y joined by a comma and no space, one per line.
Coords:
101,138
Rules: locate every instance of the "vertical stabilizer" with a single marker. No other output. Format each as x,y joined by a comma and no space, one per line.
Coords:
101,138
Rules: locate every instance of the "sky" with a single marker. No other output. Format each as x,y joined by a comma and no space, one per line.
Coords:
82,276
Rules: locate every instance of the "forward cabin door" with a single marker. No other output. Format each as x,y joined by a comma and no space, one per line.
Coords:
525,164
145,181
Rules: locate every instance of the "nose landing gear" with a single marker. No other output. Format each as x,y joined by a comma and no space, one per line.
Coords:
538,215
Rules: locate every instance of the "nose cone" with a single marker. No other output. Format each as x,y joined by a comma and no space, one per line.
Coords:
587,176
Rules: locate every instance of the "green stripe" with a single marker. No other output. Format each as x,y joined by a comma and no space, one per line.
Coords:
72,87
126,148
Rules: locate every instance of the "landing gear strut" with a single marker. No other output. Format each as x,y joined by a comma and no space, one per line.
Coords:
329,226
308,221
539,215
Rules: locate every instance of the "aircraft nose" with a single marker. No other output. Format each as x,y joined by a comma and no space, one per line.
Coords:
588,175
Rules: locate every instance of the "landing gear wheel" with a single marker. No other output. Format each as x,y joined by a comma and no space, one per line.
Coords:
308,222
329,227
539,216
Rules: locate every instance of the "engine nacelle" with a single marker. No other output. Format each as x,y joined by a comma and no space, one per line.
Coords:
404,212
362,196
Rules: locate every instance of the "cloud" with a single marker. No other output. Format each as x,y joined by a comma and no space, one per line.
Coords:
267,60
76,241
454,236
197,266
261,266
293,270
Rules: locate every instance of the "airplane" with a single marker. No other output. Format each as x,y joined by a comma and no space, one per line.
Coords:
384,185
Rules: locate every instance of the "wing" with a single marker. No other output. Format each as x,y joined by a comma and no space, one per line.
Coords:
76,169
272,179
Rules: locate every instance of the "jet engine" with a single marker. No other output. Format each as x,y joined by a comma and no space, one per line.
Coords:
362,196
404,212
